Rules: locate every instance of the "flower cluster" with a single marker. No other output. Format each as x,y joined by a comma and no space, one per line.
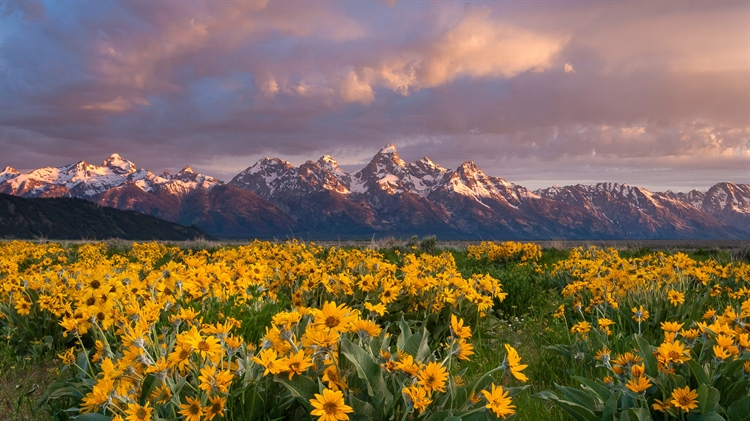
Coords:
148,338
665,331
505,252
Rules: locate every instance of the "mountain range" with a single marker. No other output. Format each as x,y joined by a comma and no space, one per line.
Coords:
273,198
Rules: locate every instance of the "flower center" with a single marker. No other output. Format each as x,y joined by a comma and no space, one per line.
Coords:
332,321
330,408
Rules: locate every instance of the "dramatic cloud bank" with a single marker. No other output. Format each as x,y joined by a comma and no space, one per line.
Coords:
655,94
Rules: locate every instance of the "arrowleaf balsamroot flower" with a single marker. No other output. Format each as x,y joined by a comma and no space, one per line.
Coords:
684,398
191,409
330,406
514,364
639,314
604,325
215,407
418,397
675,297
463,350
672,352
433,377
297,363
638,384
137,412
336,318
458,328
268,358
499,402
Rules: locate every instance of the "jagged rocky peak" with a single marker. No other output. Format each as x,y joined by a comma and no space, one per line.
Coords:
427,166
388,156
267,165
78,166
328,162
469,169
389,149
119,165
427,162
186,170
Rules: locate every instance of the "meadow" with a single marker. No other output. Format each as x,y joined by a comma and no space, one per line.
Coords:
414,331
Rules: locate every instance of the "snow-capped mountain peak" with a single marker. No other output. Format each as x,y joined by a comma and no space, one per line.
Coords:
8,173
85,180
119,165
328,162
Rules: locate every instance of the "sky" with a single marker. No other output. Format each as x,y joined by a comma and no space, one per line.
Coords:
649,93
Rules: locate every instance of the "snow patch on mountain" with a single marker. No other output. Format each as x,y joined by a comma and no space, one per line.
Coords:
86,180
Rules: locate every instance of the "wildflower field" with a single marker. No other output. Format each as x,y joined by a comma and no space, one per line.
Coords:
298,331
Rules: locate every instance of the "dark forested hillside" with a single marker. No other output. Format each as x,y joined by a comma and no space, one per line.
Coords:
76,219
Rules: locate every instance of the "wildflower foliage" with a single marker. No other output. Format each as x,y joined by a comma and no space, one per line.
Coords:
157,332
655,337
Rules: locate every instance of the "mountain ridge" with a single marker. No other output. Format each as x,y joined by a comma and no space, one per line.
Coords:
391,196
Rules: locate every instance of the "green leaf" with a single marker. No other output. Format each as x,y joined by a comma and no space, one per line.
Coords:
647,353
739,410
369,371
600,390
362,408
411,346
640,414
302,388
708,397
82,361
577,396
405,333
699,373
92,417
610,407
515,390
255,407
708,416
476,416
440,416
578,412
148,385
424,346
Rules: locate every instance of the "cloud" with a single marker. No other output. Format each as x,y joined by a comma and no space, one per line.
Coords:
117,105
354,89
522,85
30,10
476,46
